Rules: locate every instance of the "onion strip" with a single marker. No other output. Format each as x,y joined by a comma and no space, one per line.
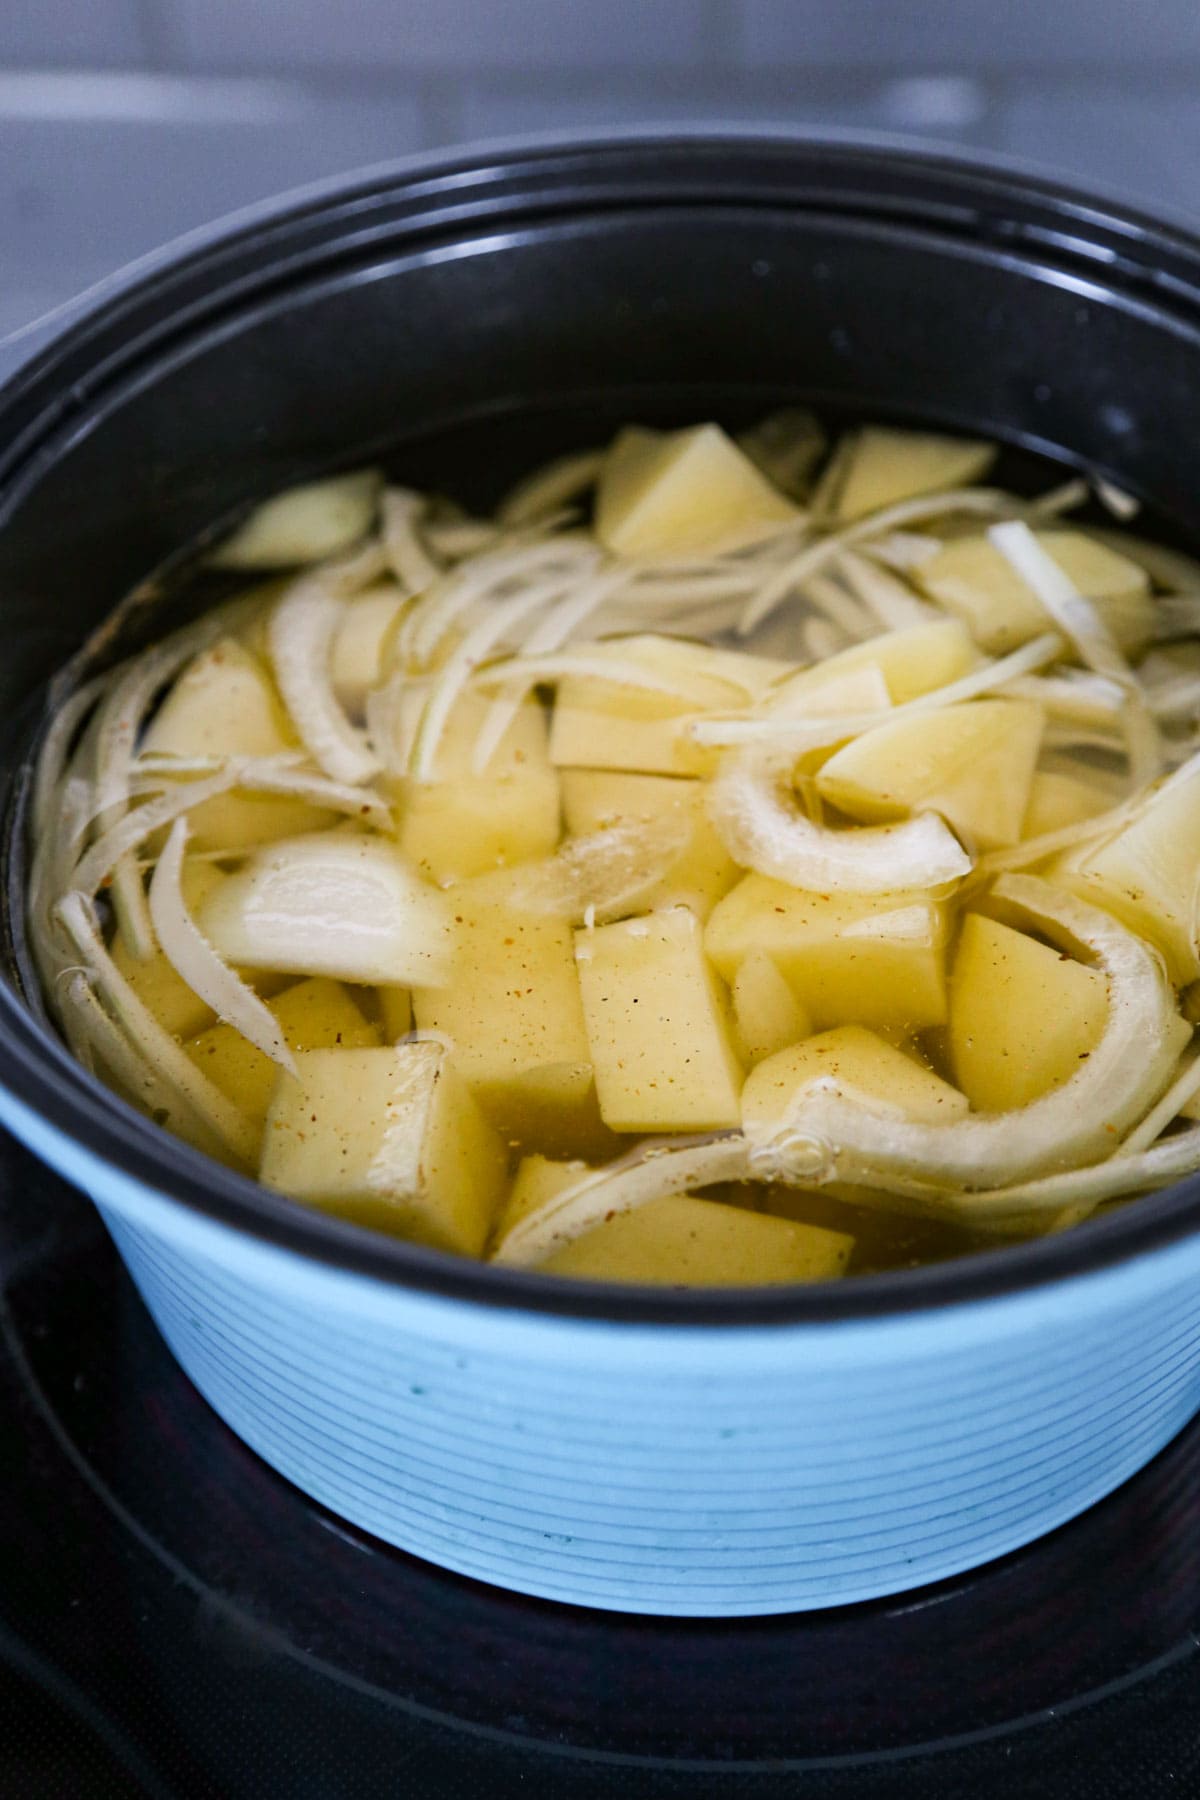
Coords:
234,1130
196,962
549,634
817,731
410,562
1090,637
752,809
652,1172
1080,1122
300,636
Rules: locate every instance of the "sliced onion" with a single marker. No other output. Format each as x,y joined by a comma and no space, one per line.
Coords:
839,607
403,513
1068,496
196,962
1080,1190
1115,500
891,601
55,748
652,1172
1081,1122
482,578
555,485
817,556
549,634
460,665
300,637
1088,699
266,775
234,1130
817,731
1185,1087
752,808
605,874
1090,637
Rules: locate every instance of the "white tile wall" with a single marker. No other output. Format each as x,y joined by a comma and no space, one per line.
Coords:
1041,36
124,122
447,35
73,33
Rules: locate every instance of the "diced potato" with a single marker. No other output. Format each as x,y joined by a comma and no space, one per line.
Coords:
304,524
461,824
971,763
1147,874
174,1004
912,660
786,446
390,1138
225,704
680,1241
766,1014
1057,800
512,1009
866,959
395,1007
537,1180
356,660
852,690
594,799
313,1015
863,1065
1023,1017
331,904
684,493
972,579
613,725
876,467
556,1107
658,1026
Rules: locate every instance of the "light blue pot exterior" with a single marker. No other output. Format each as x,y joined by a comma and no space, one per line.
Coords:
660,1469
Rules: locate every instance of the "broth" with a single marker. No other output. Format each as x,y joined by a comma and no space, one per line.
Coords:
732,860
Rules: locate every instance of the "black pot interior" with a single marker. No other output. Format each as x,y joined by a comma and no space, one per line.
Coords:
462,325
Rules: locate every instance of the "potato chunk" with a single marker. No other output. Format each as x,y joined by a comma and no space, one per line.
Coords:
357,657
174,1004
1146,875
601,724
225,704
913,660
594,799
330,904
767,1015
862,1065
1057,800
684,493
876,466
395,1007
538,1179
866,959
972,579
390,1138
658,1026
972,763
512,1009
304,523
684,1242
313,1015
462,824
1022,1016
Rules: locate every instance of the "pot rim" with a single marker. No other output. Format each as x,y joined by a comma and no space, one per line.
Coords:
77,352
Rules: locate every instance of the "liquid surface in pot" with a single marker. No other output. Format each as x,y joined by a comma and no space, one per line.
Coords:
734,859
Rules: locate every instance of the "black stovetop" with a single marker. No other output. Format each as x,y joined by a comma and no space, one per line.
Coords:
178,1621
